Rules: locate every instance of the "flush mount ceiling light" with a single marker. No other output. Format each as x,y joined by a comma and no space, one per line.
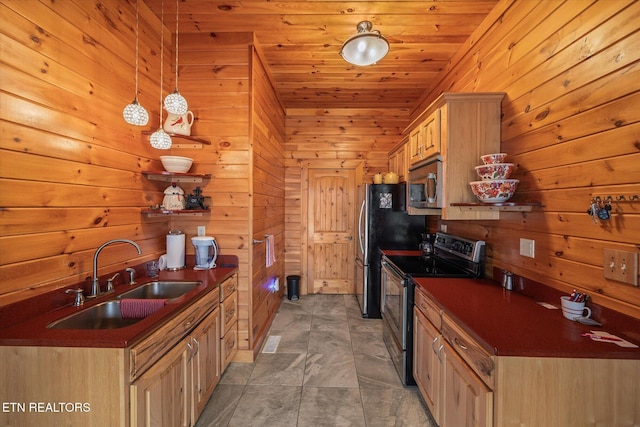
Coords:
134,113
365,48
175,103
160,139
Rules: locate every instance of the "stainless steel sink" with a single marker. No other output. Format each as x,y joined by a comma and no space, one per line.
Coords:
161,289
105,315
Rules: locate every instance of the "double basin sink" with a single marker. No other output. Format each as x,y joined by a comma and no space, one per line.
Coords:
107,315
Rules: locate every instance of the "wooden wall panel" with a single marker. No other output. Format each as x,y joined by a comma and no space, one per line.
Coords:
70,166
570,123
268,196
332,138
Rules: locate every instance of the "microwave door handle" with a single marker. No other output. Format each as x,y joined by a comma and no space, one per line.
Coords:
360,228
433,194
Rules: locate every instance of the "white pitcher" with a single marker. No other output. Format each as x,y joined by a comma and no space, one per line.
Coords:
179,124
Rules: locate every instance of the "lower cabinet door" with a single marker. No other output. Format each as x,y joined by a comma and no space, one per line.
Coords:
205,363
426,366
160,396
466,399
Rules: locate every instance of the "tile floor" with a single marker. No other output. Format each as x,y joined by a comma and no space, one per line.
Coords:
331,368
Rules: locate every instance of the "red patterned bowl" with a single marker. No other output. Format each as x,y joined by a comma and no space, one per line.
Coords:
495,171
495,190
490,159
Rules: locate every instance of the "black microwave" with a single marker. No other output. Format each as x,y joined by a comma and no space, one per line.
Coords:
424,186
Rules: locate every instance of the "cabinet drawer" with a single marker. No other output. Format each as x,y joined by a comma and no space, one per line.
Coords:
152,348
228,287
229,346
229,312
428,308
477,357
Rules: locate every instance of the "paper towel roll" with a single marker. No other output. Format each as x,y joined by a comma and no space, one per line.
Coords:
175,250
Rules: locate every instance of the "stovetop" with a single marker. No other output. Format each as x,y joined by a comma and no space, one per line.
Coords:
452,256
432,266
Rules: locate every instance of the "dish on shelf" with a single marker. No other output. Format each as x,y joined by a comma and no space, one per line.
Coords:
490,159
494,171
494,190
176,163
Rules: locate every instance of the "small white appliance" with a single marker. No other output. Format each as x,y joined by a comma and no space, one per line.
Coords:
206,251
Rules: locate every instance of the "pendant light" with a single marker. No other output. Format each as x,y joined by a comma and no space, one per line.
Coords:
160,139
134,113
175,103
365,48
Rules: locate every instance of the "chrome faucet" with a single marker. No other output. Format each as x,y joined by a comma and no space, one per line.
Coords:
95,284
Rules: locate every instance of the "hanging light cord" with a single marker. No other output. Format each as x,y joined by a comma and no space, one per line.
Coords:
161,56
137,27
177,2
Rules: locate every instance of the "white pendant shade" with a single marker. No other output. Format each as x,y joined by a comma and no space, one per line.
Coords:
160,140
175,103
365,48
135,114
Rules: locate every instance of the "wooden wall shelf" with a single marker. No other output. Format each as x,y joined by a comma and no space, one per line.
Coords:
504,206
165,212
176,176
184,137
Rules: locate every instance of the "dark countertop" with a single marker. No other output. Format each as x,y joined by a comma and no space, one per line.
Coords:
25,323
512,323
508,323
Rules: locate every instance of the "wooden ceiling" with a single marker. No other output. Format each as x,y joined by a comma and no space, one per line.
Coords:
301,41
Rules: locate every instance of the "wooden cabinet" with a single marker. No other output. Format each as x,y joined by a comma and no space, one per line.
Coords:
458,128
425,138
161,396
398,161
454,393
466,400
175,389
228,320
205,362
426,366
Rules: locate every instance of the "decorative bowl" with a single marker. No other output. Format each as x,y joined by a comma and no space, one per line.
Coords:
494,190
490,159
176,163
495,171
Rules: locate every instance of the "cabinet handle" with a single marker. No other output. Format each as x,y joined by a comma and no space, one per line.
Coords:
439,353
433,344
460,344
190,347
424,307
197,346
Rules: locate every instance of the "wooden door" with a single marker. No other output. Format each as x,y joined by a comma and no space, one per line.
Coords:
331,231
205,363
466,399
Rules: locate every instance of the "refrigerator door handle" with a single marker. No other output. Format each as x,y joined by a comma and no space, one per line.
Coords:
360,229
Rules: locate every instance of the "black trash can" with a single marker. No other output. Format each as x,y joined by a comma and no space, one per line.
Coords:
293,284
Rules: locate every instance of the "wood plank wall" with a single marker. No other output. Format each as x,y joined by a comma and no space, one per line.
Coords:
268,194
214,77
332,138
571,125
70,166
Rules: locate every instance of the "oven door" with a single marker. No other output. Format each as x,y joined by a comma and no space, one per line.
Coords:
394,302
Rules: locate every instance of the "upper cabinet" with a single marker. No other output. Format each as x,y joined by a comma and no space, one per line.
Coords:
425,139
398,160
457,128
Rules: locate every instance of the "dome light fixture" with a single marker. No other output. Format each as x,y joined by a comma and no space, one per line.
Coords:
134,113
175,103
365,48
160,139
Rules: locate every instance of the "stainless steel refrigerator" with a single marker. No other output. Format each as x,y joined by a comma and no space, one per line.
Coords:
383,223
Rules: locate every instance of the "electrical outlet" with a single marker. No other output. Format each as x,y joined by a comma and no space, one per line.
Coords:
621,266
528,248
201,231
443,228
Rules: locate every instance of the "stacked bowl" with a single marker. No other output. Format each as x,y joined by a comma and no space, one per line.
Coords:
495,186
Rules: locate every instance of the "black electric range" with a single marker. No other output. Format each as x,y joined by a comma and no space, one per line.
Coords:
452,256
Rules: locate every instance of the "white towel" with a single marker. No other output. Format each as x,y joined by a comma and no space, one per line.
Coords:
271,250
